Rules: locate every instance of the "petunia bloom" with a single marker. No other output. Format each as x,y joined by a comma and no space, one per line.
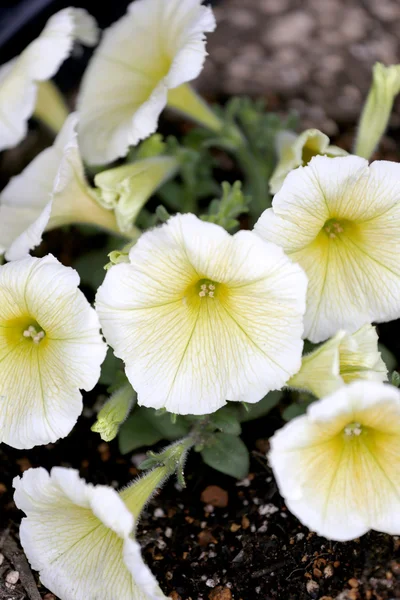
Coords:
143,63
338,467
297,151
340,220
80,537
201,317
340,360
50,348
52,191
19,78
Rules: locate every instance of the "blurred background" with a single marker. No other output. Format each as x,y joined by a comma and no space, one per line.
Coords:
314,56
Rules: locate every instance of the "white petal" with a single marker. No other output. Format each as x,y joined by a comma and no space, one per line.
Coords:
191,354
337,485
125,86
51,191
39,389
343,269
38,62
78,537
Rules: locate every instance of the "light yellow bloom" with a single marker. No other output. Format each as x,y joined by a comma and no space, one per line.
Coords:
297,151
52,191
50,106
126,189
80,537
377,109
342,359
50,348
338,467
201,317
41,60
143,62
340,220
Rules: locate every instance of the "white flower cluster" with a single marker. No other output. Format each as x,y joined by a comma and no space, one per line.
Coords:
199,317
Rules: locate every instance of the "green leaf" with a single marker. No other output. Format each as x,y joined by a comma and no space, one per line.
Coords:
136,432
226,419
395,379
146,427
110,368
228,454
255,411
90,267
226,210
294,410
388,358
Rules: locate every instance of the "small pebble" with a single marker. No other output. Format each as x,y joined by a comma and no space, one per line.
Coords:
1,559
267,509
12,577
168,532
159,513
215,496
312,588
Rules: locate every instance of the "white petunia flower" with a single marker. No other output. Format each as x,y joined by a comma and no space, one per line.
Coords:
338,467
50,348
340,360
41,60
79,537
201,317
340,220
297,151
142,63
51,191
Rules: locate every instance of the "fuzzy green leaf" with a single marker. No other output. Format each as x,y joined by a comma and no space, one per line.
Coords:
228,454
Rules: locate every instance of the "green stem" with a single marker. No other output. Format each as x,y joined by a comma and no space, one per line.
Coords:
256,181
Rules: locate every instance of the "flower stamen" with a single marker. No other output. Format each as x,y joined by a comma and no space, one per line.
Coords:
353,429
207,289
35,334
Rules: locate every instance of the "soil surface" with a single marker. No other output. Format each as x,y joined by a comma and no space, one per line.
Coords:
219,539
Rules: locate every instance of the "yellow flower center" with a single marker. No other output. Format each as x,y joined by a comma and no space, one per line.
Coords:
22,329
206,288
353,429
35,333
333,228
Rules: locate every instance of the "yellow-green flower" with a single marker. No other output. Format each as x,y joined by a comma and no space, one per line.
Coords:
143,63
338,466
201,317
297,151
339,219
340,360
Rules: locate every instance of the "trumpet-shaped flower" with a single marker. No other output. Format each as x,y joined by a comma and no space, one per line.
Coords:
377,109
338,466
130,79
79,537
340,220
126,189
50,348
41,60
342,359
297,150
201,317
52,191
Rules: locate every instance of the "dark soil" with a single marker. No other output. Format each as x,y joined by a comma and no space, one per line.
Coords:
250,547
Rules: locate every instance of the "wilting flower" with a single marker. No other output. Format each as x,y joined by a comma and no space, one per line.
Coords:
52,191
297,151
338,467
79,537
340,220
378,106
143,61
20,77
201,317
340,360
50,348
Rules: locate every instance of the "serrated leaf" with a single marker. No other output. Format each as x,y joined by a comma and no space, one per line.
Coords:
169,430
227,454
395,379
226,419
255,411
